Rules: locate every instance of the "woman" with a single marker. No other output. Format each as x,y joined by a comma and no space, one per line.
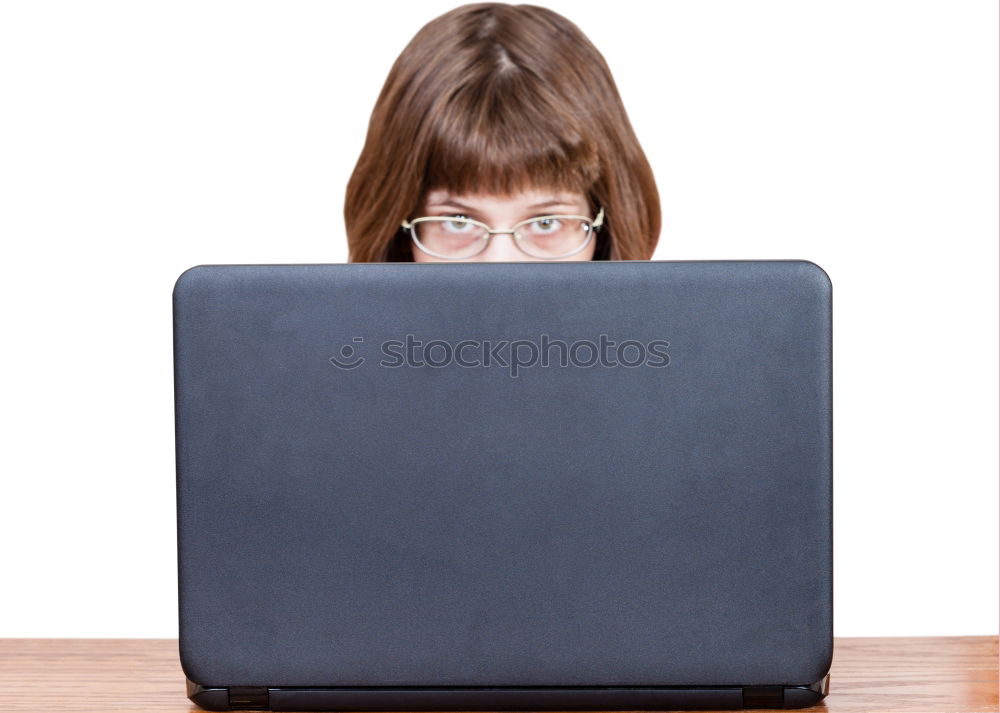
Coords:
500,135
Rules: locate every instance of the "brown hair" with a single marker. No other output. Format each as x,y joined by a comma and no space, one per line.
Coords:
496,98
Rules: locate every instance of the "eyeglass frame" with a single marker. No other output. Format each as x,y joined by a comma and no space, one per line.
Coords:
595,227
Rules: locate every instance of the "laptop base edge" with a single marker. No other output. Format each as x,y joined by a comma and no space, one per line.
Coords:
506,698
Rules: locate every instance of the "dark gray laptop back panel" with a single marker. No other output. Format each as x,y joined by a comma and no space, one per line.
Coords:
659,518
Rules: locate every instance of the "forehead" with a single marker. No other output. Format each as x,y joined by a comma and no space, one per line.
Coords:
523,199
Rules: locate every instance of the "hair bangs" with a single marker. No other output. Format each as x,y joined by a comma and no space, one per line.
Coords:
504,142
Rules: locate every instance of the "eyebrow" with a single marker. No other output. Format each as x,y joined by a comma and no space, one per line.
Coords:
462,206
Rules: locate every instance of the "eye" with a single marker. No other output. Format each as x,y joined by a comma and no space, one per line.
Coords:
458,224
545,226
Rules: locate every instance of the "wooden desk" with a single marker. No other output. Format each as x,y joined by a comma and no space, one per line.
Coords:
915,675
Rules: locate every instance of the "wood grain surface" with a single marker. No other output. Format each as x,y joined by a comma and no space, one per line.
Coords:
916,675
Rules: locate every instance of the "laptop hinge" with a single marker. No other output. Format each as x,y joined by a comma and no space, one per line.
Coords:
249,698
764,697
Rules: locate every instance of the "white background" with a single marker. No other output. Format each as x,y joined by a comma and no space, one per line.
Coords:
139,139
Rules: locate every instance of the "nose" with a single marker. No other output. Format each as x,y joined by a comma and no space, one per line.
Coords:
502,248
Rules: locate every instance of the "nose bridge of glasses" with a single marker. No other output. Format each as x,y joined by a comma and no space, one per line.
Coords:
511,232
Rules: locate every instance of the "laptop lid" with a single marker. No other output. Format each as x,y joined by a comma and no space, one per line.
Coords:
599,474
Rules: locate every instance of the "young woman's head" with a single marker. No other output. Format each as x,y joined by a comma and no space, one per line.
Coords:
498,114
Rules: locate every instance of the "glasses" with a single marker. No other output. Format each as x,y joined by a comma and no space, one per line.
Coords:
547,237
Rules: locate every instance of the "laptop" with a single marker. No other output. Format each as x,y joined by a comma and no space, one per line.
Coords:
504,486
